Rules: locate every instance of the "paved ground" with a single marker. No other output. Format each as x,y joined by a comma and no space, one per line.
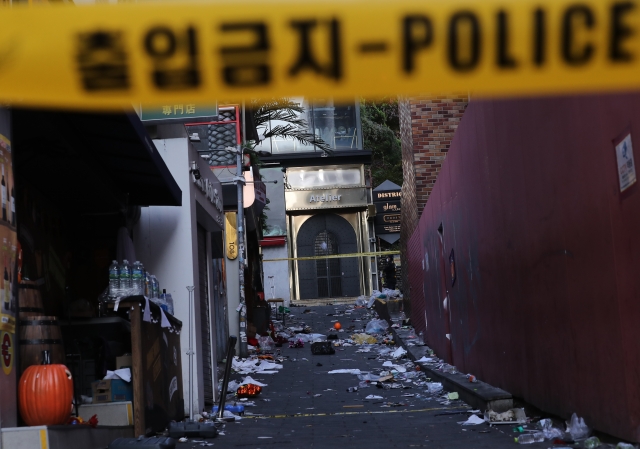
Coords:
294,417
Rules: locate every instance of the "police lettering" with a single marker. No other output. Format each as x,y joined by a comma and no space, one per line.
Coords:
465,37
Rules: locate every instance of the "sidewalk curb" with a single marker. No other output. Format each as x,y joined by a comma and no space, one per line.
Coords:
479,395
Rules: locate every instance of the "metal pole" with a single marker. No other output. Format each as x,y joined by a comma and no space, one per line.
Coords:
231,347
190,353
241,255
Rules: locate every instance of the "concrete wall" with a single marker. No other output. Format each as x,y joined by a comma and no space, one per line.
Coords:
547,293
165,240
280,271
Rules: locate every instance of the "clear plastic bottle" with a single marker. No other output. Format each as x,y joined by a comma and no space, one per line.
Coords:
169,301
530,438
114,278
137,278
147,285
125,274
155,286
591,443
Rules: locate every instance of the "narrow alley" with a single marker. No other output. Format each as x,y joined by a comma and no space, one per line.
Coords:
304,406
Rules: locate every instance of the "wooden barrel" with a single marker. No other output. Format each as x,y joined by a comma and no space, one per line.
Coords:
29,300
36,334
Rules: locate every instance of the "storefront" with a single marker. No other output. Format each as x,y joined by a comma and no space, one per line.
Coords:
328,214
71,182
179,244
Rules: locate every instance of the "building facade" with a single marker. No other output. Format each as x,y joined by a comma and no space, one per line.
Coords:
319,207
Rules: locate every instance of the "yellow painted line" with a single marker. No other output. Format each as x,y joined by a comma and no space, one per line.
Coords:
374,412
44,439
336,256
130,414
181,53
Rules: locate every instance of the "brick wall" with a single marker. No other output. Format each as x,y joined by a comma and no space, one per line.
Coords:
427,125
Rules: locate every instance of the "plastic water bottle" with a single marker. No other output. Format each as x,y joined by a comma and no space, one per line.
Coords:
232,408
591,443
530,438
155,286
125,274
147,285
137,275
169,300
114,278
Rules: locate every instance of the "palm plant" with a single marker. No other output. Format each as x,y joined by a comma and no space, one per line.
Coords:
288,111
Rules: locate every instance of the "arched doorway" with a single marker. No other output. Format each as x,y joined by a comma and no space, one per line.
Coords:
322,235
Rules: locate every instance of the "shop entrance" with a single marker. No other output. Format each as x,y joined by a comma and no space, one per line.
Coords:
323,235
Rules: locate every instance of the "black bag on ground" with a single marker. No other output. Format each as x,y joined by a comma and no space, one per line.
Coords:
322,348
192,430
143,443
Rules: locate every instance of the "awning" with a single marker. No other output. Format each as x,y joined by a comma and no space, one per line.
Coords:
99,162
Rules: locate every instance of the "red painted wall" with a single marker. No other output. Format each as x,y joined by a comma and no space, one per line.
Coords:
546,303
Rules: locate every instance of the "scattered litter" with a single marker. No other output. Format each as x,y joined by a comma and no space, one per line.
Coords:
425,359
376,326
453,396
373,396
264,438
344,371
254,365
398,353
250,380
361,339
473,420
183,440
434,387
317,395
310,338
513,416
577,428
399,368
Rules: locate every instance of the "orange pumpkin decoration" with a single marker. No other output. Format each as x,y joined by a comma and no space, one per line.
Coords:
45,394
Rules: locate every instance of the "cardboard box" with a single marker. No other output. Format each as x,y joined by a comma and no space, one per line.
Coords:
124,362
112,390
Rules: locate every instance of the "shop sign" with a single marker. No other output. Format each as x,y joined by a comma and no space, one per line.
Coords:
178,113
387,195
210,186
325,199
386,207
231,236
387,228
387,219
210,191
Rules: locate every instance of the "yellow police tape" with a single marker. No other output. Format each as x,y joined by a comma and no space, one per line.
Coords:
336,256
372,412
109,56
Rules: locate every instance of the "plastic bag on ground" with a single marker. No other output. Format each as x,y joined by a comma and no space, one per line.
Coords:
361,339
577,427
310,338
434,387
362,301
266,343
376,326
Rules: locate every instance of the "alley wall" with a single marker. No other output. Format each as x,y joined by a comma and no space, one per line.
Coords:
528,216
